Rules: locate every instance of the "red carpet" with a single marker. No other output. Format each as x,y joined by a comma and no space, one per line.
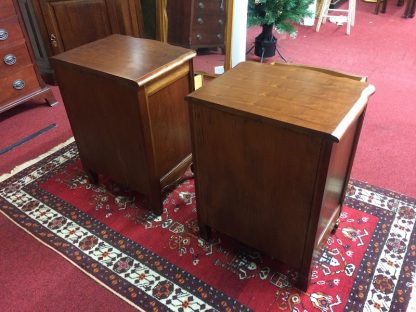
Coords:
160,263
26,119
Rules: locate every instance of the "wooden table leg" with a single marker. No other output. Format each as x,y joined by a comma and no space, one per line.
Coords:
302,283
92,175
205,231
155,199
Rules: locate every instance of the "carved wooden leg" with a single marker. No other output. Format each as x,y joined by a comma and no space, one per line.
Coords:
50,98
155,199
205,231
302,283
92,176
334,229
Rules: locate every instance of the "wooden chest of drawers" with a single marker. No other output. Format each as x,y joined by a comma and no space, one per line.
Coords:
272,148
19,78
124,97
197,23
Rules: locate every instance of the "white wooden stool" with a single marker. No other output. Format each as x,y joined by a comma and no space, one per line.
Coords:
325,13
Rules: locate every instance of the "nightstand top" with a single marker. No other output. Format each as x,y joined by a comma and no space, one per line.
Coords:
294,96
135,59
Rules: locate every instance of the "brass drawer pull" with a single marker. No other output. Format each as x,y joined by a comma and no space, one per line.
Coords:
52,39
200,20
201,5
18,84
9,59
3,34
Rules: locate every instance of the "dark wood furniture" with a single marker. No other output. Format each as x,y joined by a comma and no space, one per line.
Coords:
410,9
56,26
273,148
19,77
197,23
36,41
409,12
124,97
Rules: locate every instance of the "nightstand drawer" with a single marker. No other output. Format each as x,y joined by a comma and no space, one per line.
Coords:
13,58
10,32
6,9
18,84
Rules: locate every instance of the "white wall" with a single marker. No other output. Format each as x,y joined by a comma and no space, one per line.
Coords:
310,21
239,35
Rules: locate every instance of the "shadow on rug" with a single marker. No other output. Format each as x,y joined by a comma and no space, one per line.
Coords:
160,263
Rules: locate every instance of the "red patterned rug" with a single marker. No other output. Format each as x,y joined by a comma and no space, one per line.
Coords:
160,263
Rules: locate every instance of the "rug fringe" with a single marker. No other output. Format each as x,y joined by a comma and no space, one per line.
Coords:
412,302
35,160
69,260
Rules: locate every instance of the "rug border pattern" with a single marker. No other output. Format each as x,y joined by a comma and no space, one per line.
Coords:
21,181
23,185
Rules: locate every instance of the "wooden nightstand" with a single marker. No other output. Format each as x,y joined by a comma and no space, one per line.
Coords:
19,77
124,97
273,148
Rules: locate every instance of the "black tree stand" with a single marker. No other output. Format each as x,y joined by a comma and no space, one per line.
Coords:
265,44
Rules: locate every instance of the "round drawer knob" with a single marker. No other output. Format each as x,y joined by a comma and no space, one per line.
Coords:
9,59
200,20
222,6
201,5
198,36
3,34
219,36
18,84
220,21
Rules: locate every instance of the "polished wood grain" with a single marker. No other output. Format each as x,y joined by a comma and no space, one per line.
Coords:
6,9
125,101
269,170
9,93
22,68
124,57
67,24
197,24
15,34
254,90
325,71
20,52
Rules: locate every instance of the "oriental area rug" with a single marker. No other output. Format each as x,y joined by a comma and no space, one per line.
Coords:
158,263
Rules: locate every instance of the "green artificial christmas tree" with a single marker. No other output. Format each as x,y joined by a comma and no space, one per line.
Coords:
278,14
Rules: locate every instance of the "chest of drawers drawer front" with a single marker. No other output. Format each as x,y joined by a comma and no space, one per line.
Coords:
13,58
202,6
201,37
10,32
209,20
18,84
6,9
